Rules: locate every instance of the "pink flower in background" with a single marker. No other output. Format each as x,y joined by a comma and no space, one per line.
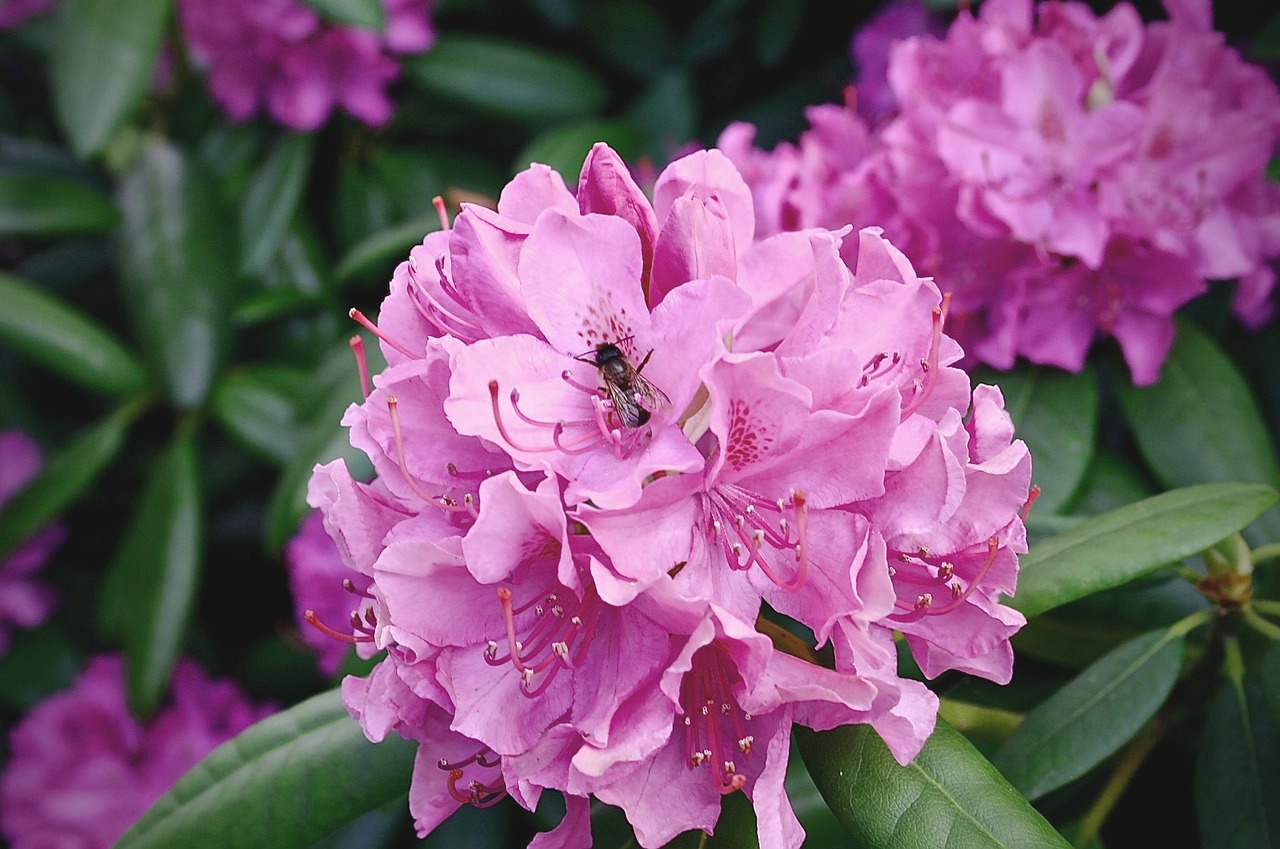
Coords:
316,575
610,432
82,769
281,57
1063,175
24,601
16,12
870,49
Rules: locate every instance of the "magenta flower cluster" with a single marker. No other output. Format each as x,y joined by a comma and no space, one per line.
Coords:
280,57
82,769
620,449
25,602
1065,175
14,13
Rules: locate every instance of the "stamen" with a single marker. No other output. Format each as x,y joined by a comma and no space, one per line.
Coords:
438,203
930,366
711,735
1032,495
314,621
362,364
502,427
364,322
568,378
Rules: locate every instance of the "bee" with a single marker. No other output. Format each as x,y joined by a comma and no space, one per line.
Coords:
633,397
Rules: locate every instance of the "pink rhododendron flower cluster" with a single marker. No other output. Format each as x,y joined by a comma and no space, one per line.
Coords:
317,578
24,601
281,57
82,769
619,446
1063,174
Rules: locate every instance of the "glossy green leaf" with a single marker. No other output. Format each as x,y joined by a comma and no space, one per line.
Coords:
1112,480
1056,414
272,199
1200,423
667,113
257,406
368,14
1238,771
156,572
508,80
177,269
286,782
40,205
66,341
1091,717
383,251
564,147
63,479
630,35
1117,547
103,57
949,796
1269,672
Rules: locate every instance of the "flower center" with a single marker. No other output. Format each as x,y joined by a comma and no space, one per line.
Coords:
549,632
923,574
478,793
714,724
744,523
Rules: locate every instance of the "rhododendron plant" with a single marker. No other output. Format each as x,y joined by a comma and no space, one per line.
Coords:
1065,175
620,447
82,768
282,58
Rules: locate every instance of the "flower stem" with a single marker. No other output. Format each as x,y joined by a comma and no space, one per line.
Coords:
1267,628
978,720
1265,552
1188,624
1130,760
1266,605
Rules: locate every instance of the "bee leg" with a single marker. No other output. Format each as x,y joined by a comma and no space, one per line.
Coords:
643,362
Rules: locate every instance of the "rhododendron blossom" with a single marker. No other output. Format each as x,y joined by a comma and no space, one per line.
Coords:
281,57
82,769
13,13
618,447
1064,175
24,601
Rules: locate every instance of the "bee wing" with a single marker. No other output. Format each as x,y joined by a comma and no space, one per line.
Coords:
647,395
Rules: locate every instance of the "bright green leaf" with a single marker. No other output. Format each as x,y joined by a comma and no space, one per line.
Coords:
1200,423
949,796
1056,414
1091,717
40,205
286,782
367,14
256,405
103,58
177,269
508,80
272,199
67,341
63,479
156,573
564,147
1238,771
1117,547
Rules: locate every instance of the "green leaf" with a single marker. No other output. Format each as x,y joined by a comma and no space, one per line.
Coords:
64,479
1091,717
286,782
67,341
564,147
508,80
156,573
102,59
776,30
40,205
366,14
1238,771
949,796
630,35
256,405
1270,674
1056,414
667,113
177,269
1200,424
37,664
385,249
1112,480
272,199
1116,547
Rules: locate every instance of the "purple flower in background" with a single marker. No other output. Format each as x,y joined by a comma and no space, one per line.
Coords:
281,57
82,769
16,12
1065,176
24,602
870,49
316,580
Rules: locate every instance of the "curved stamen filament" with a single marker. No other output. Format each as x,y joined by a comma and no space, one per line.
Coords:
446,504
930,366
314,621
924,602
477,793
713,722
730,506
502,427
362,364
558,639
438,203
364,322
